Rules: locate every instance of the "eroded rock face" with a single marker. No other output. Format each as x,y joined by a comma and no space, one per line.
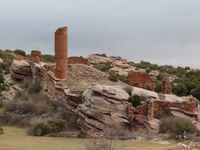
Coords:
141,80
103,107
20,69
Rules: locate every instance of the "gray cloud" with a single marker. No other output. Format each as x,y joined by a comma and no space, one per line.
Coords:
160,31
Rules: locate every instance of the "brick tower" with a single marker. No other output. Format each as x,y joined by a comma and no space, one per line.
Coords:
36,56
61,53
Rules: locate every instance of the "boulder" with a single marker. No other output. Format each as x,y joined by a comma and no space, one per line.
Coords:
20,69
103,107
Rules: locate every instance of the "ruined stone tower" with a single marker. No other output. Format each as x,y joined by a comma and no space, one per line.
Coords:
61,53
166,86
36,56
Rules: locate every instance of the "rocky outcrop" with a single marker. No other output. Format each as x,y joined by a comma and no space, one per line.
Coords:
107,107
123,71
121,64
103,107
20,69
97,59
141,80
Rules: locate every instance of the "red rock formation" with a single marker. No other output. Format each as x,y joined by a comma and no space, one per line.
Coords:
141,80
35,56
61,52
166,86
77,60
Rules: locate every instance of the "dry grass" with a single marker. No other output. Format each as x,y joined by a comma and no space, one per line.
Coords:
16,139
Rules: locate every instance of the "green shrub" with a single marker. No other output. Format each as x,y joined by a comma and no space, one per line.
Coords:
113,77
161,76
41,129
57,125
180,125
123,78
6,56
48,58
196,92
135,100
105,67
102,55
20,52
180,89
116,77
51,126
82,135
158,87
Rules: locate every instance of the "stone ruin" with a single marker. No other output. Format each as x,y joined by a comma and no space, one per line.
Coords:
77,60
141,80
35,56
61,53
100,107
166,86
107,107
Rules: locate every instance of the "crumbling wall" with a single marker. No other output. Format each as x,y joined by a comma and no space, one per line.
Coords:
166,86
141,80
157,108
77,60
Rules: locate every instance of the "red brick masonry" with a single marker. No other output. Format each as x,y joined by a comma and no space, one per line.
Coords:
61,52
141,80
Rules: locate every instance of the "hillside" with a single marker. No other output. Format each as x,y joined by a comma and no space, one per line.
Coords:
100,93
184,80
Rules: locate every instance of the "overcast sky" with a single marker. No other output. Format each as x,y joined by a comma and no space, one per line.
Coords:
159,31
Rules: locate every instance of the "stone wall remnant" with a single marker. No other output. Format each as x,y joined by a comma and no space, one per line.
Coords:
141,80
166,86
61,53
77,60
36,56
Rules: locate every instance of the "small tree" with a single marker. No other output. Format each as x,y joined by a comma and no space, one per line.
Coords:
196,92
180,125
180,89
20,52
159,87
113,76
135,100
